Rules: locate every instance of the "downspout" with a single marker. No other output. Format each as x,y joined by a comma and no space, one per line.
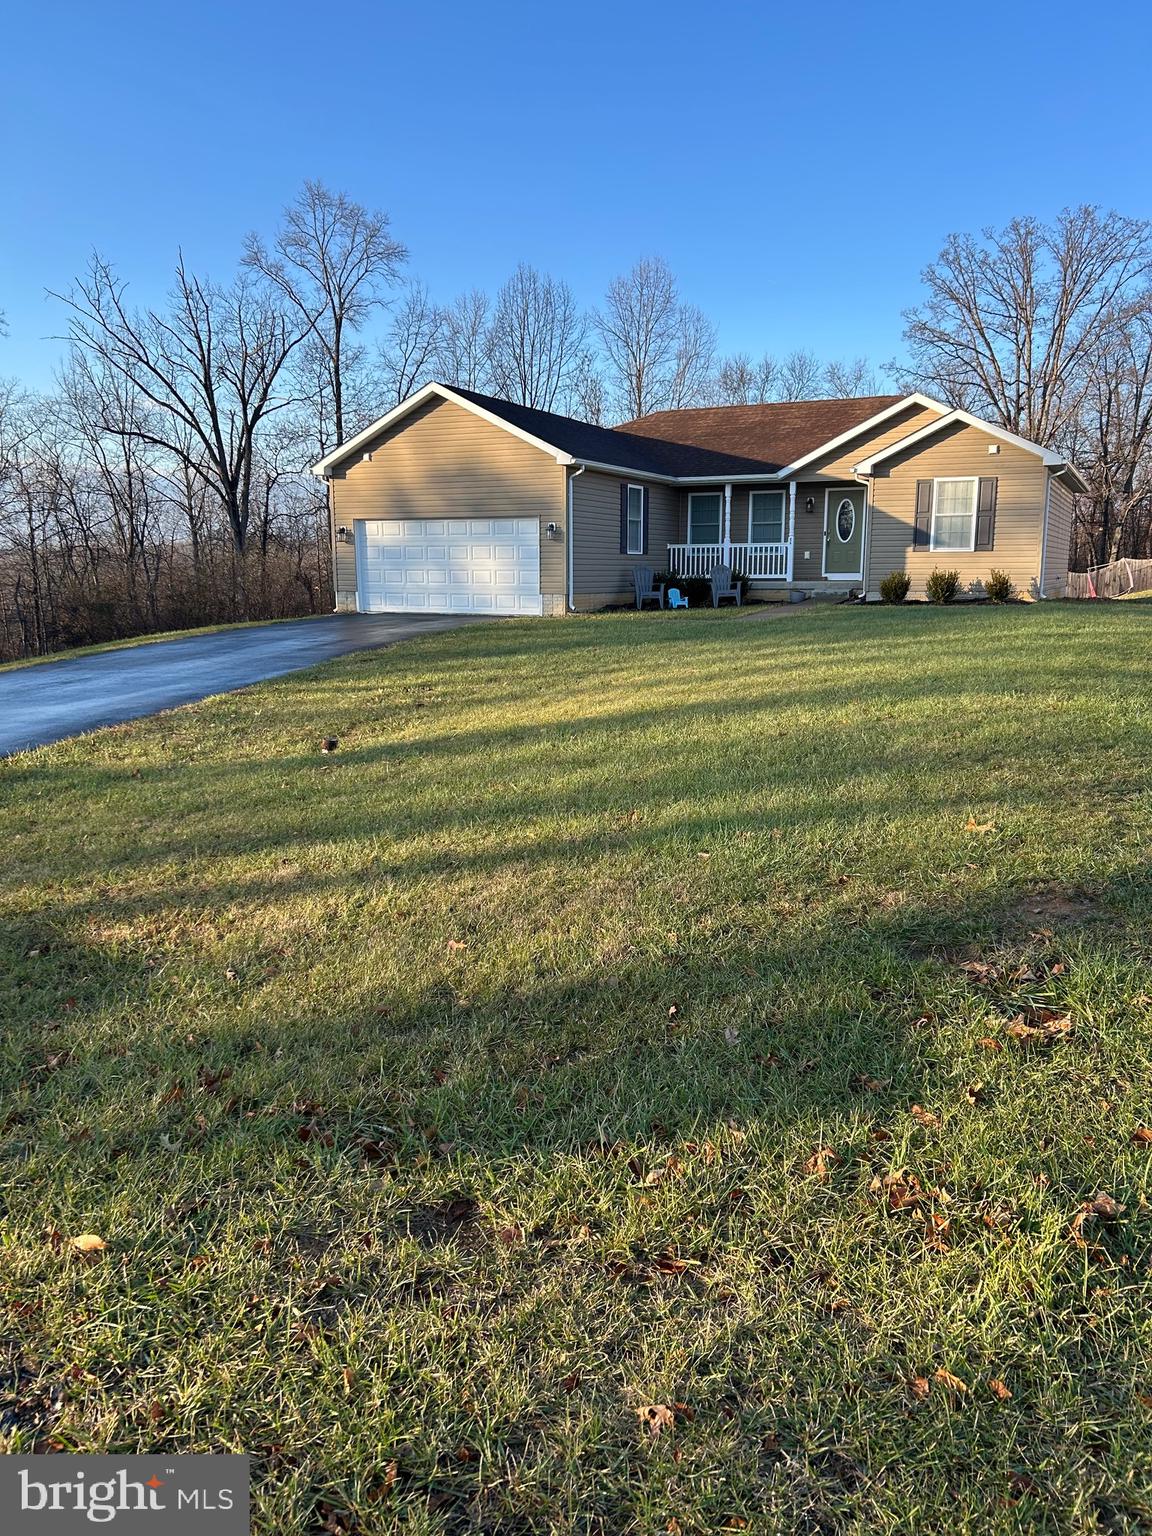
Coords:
568,534
865,534
332,544
1044,531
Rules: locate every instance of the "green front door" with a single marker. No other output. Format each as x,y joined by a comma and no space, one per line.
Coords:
844,532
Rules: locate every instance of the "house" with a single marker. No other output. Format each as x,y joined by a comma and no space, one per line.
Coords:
459,502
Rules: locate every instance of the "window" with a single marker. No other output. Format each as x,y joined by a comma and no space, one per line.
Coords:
954,515
766,514
704,517
635,539
845,520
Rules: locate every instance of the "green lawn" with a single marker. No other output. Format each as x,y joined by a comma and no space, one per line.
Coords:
603,1095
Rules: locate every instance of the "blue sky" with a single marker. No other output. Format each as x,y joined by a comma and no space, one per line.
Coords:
796,165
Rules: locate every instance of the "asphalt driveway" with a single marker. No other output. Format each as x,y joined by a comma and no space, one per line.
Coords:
61,698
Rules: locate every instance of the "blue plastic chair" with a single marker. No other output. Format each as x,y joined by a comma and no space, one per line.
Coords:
675,600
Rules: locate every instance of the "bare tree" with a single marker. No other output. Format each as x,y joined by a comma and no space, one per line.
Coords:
535,339
1013,318
334,261
206,370
588,396
639,331
801,376
740,381
1111,443
463,351
693,360
848,380
409,349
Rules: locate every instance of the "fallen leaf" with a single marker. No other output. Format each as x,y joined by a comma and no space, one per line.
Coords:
349,1376
949,1382
1142,1136
973,825
731,1035
974,1093
455,944
926,1118
873,1084
998,1389
571,1382
898,1189
156,1412
512,1233
919,1386
822,1161
989,1044
657,1416
981,971
1040,1026
87,1242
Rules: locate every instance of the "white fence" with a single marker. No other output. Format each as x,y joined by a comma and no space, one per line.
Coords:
759,562
1114,580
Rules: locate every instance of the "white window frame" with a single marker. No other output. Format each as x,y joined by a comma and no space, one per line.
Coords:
768,490
974,482
719,497
639,550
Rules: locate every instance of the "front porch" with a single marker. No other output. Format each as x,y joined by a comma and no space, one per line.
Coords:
808,535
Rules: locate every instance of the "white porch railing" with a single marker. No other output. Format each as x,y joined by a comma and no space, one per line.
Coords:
759,562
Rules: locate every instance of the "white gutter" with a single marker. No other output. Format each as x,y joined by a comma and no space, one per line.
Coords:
572,473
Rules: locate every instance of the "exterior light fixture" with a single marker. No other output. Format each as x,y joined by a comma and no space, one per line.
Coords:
809,505
343,535
552,531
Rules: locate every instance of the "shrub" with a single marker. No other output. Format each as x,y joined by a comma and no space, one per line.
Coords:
998,587
894,587
698,589
942,586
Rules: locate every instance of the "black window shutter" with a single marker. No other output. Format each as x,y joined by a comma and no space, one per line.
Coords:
923,535
644,525
624,519
986,515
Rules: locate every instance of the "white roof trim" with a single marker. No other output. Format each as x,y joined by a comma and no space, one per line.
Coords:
954,418
346,450
869,422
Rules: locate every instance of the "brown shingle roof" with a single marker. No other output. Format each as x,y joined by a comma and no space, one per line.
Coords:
773,435
659,454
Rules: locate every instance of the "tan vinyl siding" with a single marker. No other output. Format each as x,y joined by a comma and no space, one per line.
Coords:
837,466
443,461
958,451
1060,509
601,574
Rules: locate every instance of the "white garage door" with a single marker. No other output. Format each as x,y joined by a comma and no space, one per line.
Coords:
449,565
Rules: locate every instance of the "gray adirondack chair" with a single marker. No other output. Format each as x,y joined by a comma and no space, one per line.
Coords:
647,591
723,586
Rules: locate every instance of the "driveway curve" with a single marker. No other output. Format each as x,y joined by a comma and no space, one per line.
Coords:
55,699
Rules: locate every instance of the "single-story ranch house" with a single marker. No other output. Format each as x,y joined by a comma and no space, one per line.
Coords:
456,502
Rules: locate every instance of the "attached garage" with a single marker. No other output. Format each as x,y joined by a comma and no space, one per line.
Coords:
449,565
443,506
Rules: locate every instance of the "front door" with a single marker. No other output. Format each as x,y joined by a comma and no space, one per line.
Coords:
844,532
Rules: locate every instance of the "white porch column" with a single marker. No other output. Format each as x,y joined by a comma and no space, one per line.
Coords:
791,525
728,524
